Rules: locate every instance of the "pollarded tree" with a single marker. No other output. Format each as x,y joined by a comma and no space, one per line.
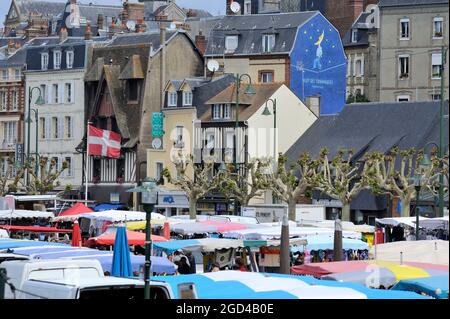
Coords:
40,182
288,183
341,178
5,177
244,187
395,172
203,181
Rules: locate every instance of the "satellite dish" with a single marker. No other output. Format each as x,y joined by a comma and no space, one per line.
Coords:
131,25
212,65
235,7
172,26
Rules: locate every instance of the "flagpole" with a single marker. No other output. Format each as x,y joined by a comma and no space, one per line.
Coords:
87,164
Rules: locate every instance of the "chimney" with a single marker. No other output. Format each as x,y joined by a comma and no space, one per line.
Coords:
11,47
200,42
63,34
140,26
191,13
88,33
100,21
112,28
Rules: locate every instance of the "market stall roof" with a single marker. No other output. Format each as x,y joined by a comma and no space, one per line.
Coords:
345,226
73,212
20,213
274,232
109,236
8,243
159,264
141,224
249,285
3,233
400,271
395,221
33,198
209,226
115,216
435,286
434,223
371,278
432,251
324,242
35,229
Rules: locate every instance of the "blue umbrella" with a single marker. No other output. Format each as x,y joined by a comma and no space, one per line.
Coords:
121,265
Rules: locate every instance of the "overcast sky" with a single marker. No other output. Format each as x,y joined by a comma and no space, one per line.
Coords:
216,7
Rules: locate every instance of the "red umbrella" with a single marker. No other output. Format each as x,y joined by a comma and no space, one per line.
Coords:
77,209
76,235
108,238
167,230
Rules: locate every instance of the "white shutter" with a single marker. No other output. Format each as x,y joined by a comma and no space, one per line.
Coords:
72,87
72,124
62,89
48,127
362,66
436,59
50,94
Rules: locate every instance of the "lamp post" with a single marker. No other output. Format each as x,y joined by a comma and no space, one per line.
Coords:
267,113
441,132
39,101
417,186
29,121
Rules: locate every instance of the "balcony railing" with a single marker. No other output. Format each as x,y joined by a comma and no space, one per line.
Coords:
8,144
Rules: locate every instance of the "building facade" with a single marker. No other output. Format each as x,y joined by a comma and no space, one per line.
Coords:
302,50
412,34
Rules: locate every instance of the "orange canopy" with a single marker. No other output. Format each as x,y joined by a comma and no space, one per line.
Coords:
134,238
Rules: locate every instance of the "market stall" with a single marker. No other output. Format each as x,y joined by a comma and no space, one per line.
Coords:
72,213
109,236
22,214
435,223
435,286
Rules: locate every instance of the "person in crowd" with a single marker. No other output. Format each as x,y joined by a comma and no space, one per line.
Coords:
191,261
183,267
215,267
107,273
300,260
240,265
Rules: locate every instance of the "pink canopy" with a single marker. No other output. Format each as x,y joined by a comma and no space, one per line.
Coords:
224,226
77,209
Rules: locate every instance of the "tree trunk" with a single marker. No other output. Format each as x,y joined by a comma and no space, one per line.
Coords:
345,212
406,207
291,209
192,208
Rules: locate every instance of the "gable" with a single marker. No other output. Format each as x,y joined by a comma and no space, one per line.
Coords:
13,13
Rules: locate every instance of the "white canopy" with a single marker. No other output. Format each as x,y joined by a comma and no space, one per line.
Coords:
435,223
116,216
395,221
274,232
425,251
345,226
3,233
211,244
18,213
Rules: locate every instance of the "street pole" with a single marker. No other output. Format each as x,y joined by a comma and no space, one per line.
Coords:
441,134
417,210
238,84
337,246
148,244
274,131
285,259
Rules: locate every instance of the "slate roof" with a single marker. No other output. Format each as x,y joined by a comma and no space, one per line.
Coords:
16,59
363,32
399,3
91,12
45,8
373,127
140,38
252,27
248,103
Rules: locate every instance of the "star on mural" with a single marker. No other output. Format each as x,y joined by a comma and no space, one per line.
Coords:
305,32
310,37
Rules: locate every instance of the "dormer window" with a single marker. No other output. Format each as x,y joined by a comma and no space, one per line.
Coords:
57,59
354,35
172,99
44,61
187,98
69,59
216,111
268,42
133,90
231,43
221,111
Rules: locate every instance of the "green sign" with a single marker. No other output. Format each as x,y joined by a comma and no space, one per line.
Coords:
157,124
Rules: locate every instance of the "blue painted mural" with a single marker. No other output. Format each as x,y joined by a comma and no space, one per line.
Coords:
319,65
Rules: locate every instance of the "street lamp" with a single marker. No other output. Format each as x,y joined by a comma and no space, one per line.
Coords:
39,101
29,121
417,186
150,188
266,112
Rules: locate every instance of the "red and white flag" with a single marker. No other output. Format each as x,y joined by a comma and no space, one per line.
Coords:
103,142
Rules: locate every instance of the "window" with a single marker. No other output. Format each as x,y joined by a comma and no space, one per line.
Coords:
57,59
15,100
436,65
43,88
17,74
231,43
172,98
55,127
226,111
42,128
68,92
5,75
438,27
179,137
266,76
436,96
403,66
404,29
55,91
69,170
69,59
44,61
403,98
3,100
159,170
133,90
68,127
187,97
247,7
9,132
216,111
354,35
268,42
359,67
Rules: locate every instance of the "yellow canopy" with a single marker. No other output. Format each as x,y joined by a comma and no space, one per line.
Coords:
401,271
140,225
